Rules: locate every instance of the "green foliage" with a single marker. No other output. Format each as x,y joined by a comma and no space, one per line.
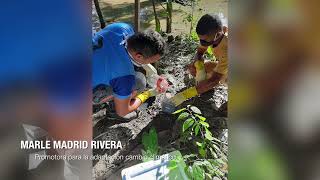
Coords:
204,168
187,124
150,145
174,162
195,127
209,159
189,17
169,16
209,53
183,116
156,18
172,165
158,26
179,111
194,36
167,13
197,172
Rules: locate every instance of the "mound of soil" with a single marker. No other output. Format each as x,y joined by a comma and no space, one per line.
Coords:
172,66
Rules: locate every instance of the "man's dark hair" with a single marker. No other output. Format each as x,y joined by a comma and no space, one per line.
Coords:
148,43
209,23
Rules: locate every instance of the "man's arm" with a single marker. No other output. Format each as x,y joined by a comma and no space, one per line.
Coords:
208,84
200,52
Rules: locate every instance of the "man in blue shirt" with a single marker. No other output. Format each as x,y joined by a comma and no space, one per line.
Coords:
117,49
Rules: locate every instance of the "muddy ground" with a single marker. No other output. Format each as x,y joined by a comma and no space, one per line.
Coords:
129,133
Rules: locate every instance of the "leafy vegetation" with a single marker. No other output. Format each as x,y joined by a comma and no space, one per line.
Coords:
156,17
168,14
189,17
150,145
208,161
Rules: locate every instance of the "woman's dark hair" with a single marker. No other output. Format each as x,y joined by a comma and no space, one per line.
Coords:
209,23
148,43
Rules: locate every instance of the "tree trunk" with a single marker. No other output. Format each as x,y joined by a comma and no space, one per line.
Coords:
136,15
158,27
102,23
169,16
192,14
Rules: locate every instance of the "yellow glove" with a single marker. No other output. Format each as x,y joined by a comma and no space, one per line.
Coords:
184,95
147,94
200,71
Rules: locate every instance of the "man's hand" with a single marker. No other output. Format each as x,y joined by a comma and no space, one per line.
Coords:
208,84
162,85
197,69
198,57
192,69
200,71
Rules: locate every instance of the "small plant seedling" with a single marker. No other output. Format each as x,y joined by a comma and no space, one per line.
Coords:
150,145
208,161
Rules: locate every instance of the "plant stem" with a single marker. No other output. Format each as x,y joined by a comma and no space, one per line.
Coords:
158,27
192,13
169,16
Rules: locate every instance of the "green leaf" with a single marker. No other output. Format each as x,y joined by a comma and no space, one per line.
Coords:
208,135
220,161
207,131
204,124
216,148
187,124
183,116
198,144
219,173
213,153
208,165
202,152
214,162
194,36
200,117
196,130
210,51
197,172
147,156
179,111
189,156
217,140
188,171
194,109
172,165
217,162
194,124
150,143
209,176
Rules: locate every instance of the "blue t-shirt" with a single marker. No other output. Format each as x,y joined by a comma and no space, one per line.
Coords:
112,64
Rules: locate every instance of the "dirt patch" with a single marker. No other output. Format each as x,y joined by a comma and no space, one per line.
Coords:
129,133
